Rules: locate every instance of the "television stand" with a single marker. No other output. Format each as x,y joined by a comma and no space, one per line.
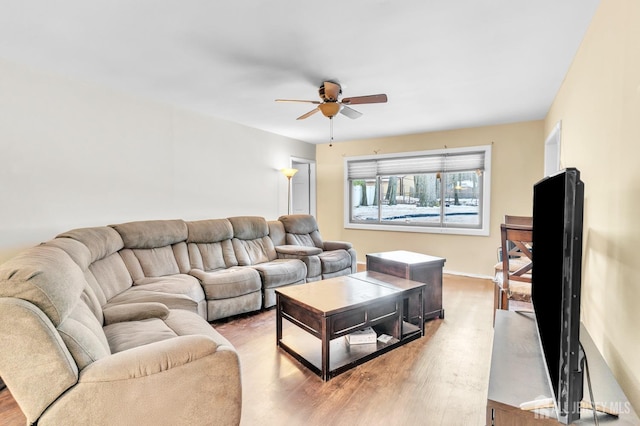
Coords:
518,374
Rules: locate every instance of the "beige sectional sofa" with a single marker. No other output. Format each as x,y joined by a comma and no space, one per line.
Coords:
109,325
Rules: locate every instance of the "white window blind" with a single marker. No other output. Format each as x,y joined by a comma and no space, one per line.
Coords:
362,169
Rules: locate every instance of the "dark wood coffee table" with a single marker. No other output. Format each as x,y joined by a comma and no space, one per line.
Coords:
320,313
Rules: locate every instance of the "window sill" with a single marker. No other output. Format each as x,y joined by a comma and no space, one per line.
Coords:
419,229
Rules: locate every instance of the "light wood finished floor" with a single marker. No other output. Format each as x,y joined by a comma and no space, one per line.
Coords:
440,379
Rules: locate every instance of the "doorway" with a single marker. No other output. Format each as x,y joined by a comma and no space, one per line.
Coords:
303,187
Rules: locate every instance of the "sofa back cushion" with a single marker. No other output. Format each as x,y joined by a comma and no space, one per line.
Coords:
149,234
47,277
209,231
210,246
101,241
157,262
104,270
80,254
251,242
302,230
301,240
111,276
277,233
154,248
83,335
252,252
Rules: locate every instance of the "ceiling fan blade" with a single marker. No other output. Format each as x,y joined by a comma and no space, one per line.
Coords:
331,90
298,100
350,112
310,113
370,99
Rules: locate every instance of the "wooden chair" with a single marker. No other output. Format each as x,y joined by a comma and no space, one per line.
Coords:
513,272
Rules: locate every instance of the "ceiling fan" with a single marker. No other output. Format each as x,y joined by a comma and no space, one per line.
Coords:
331,105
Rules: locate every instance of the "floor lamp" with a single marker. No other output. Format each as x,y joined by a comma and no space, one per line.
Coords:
289,174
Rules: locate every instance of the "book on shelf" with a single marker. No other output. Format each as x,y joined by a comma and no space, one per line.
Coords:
366,335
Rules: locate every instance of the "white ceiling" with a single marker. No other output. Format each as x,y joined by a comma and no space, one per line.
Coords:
443,64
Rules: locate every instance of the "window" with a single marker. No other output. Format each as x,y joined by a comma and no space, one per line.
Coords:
444,191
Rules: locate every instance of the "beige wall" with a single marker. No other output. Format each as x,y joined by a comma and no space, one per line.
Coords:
75,154
599,105
517,163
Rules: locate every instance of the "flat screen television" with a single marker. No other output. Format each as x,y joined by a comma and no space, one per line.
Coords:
558,202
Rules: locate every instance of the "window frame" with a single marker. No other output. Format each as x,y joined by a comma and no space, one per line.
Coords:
485,198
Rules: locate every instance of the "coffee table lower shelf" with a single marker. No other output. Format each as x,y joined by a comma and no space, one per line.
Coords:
307,349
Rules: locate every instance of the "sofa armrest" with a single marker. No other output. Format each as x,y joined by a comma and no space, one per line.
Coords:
147,360
337,245
298,250
182,380
134,312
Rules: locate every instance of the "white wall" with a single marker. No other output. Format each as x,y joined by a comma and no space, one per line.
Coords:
74,154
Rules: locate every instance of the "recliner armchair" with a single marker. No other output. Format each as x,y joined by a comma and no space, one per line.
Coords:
324,259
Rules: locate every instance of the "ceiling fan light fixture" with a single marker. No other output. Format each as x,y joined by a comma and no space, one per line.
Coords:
329,109
331,105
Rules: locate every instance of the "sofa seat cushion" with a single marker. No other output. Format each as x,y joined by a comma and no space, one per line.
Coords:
335,261
281,272
127,335
131,334
176,292
227,283
186,323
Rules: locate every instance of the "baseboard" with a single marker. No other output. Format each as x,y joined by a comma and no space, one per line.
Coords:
467,274
362,266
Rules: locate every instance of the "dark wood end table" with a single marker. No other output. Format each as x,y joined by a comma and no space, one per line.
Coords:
417,267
